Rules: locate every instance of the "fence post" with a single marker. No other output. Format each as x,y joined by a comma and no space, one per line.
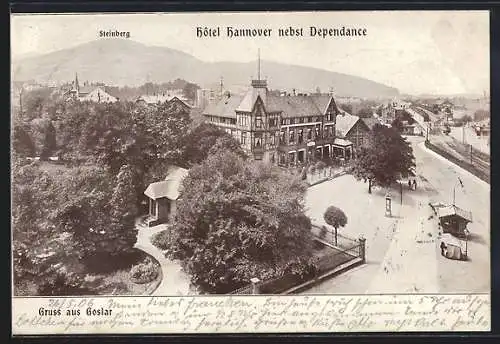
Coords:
255,285
362,249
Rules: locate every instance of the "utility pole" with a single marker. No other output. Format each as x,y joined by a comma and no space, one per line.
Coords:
401,191
470,154
21,100
463,133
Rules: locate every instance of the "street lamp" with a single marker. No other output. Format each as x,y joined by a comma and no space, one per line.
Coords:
454,187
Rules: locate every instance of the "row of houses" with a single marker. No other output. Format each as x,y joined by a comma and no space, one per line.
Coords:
100,93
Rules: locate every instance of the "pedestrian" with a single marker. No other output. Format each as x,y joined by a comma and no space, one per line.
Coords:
443,248
414,184
409,183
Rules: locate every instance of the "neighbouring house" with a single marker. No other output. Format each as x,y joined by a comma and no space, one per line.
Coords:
163,196
161,98
175,103
355,130
411,129
95,93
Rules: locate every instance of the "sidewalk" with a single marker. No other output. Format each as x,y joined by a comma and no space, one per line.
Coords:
174,280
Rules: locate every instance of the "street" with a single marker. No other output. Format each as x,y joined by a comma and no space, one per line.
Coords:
403,254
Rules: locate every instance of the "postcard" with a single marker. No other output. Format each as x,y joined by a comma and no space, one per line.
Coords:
250,172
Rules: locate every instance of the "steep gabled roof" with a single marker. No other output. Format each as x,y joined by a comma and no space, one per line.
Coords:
345,122
370,122
322,101
225,107
293,106
250,98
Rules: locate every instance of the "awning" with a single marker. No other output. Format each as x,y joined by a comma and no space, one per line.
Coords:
342,142
453,210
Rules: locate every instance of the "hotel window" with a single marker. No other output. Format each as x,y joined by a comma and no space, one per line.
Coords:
292,136
292,120
258,122
309,119
273,139
244,138
301,120
282,137
300,136
316,131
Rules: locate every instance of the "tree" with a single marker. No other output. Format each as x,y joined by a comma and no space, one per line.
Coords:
42,251
33,102
22,143
346,107
122,233
397,125
227,143
189,90
385,159
464,120
481,114
237,220
365,112
204,139
49,142
336,218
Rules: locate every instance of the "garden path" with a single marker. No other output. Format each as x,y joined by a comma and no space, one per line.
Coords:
174,280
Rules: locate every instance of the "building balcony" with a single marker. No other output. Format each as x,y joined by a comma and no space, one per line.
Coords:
305,143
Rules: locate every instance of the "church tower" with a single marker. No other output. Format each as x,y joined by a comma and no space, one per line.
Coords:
77,85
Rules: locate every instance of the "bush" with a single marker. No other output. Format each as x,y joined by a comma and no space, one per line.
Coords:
162,240
301,269
320,165
144,273
62,283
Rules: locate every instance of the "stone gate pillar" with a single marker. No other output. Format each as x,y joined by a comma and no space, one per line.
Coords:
255,285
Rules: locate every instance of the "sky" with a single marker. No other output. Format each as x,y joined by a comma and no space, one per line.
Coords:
434,52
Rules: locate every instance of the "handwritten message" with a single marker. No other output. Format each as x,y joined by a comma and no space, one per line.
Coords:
230,314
